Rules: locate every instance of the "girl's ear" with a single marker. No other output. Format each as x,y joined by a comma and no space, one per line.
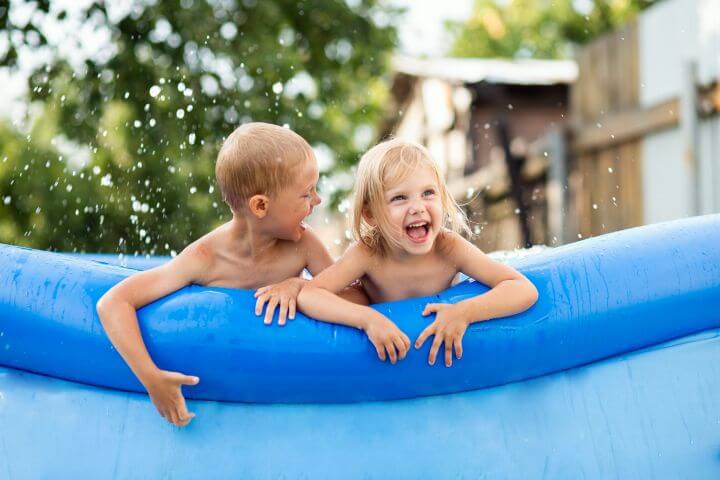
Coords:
367,216
258,205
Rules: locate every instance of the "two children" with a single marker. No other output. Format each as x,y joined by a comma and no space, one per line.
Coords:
407,245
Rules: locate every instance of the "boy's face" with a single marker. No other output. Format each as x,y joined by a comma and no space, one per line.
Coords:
293,204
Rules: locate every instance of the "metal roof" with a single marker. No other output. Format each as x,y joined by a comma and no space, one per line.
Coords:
500,71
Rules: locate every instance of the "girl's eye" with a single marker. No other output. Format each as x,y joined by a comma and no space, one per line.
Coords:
397,198
429,192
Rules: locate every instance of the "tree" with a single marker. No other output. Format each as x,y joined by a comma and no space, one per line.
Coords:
152,101
537,28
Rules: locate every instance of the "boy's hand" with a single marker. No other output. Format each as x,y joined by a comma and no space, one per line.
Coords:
283,294
165,393
387,337
449,327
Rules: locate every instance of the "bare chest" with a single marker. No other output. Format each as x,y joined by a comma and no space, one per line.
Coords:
399,282
247,274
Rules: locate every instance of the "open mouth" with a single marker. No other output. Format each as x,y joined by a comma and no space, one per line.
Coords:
418,232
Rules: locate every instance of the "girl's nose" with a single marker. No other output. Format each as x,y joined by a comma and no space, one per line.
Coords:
316,199
416,208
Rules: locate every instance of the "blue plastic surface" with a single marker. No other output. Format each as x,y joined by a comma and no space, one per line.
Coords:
649,415
598,298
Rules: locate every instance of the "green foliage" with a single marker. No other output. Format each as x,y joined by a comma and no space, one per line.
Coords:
537,28
152,107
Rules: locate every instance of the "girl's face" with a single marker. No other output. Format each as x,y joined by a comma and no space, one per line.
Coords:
415,212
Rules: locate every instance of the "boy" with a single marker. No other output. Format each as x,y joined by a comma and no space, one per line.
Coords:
267,175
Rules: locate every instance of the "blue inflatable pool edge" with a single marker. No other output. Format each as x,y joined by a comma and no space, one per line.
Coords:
613,374
597,298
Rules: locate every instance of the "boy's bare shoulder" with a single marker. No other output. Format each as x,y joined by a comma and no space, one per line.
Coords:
200,255
310,240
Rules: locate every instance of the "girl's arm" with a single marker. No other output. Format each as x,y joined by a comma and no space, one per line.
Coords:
318,299
510,293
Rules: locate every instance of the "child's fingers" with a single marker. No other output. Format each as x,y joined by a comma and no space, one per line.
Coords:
270,310
424,335
293,308
173,417
261,290
448,353
283,312
458,347
430,308
406,340
260,303
188,380
401,347
437,341
391,352
380,352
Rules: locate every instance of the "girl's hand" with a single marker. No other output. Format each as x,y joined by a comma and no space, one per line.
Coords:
387,337
449,327
284,295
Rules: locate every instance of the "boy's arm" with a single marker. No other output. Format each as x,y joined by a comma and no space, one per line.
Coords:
282,296
318,299
117,311
510,293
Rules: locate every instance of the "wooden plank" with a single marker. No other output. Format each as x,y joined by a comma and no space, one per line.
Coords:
630,198
605,218
709,99
625,126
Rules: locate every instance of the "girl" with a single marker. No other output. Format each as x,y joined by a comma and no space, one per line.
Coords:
406,226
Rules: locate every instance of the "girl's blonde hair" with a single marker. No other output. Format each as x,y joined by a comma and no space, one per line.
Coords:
381,167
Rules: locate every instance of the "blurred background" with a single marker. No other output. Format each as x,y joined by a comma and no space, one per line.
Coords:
553,120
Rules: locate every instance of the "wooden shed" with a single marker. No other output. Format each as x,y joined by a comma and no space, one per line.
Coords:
478,118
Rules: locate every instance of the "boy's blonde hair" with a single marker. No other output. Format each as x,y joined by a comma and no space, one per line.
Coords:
381,167
258,158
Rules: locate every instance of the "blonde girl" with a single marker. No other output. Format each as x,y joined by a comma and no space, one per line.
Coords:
407,244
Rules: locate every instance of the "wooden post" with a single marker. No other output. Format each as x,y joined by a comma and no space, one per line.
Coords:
689,128
556,192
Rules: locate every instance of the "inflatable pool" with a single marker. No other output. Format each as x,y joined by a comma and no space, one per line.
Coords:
614,373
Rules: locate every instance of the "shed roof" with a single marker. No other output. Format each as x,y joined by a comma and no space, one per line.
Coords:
498,71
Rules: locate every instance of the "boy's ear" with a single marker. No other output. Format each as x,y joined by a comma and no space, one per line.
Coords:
258,205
